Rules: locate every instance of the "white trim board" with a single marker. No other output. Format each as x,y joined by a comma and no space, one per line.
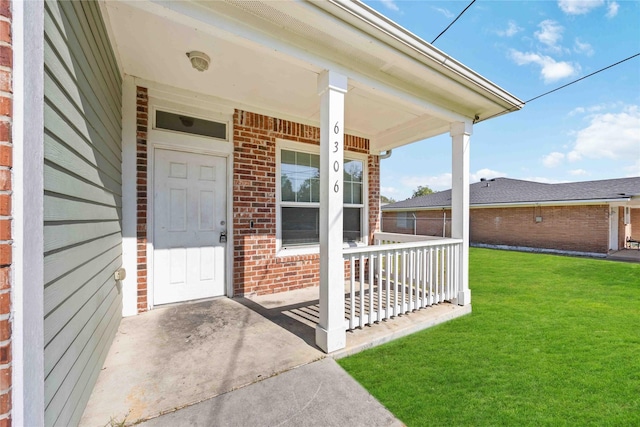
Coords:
28,214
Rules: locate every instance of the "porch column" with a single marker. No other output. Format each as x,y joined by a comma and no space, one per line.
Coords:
460,135
330,332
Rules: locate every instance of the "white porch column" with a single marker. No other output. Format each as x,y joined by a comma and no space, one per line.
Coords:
460,135
330,332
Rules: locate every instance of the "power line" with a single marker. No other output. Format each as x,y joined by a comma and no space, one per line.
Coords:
558,88
443,31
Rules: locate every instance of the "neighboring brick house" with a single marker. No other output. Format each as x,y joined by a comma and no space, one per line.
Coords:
584,217
132,176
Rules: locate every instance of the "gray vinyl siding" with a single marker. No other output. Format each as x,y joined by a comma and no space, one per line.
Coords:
82,205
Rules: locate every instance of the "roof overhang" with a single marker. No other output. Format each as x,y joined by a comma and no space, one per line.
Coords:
266,57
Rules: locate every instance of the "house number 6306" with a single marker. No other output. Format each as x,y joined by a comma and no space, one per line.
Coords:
336,164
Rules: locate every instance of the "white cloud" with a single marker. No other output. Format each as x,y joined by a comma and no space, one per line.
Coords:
578,172
389,191
609,135
550,34
552,70
511,30
391,5
579,7
543,179
612,9
552,160
444,11
584,48
435,182
577,110
486,174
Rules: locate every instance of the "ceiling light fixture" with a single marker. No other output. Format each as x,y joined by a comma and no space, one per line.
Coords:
199,60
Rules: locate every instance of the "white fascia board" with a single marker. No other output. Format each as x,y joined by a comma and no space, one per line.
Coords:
251,34
433,56
104,11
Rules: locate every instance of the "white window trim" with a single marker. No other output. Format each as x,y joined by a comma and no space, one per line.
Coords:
282,144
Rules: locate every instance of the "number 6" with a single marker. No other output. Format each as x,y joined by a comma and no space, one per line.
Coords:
336,128
336,187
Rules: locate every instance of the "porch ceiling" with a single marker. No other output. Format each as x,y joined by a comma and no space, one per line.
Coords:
266,56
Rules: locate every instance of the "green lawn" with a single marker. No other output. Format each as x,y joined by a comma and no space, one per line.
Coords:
552,341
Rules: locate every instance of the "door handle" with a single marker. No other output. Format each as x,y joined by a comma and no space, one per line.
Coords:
223,237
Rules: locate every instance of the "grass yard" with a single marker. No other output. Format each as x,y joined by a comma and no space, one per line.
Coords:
552,341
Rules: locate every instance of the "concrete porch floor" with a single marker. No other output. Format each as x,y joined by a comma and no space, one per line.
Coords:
632,255
177,356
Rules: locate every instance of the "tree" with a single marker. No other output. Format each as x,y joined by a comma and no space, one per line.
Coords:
385,199
421,191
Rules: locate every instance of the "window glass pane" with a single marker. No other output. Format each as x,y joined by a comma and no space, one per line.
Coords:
353,181
315,190
353,170
286,187
288,157
186,124
357,193
300,226
298,172
351,220
346,193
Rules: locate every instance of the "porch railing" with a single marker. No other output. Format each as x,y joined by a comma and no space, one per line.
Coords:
399,274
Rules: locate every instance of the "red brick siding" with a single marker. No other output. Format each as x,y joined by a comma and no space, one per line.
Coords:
142,118
6,195
569,228
374,195
635,223
256,269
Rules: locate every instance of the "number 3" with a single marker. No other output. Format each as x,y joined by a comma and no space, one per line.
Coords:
336,147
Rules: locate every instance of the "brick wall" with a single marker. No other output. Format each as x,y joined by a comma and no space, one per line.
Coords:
142,117
374,195
569,228
635,223
6,163
256,269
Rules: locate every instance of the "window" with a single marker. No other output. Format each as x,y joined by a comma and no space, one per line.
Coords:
299,204
193,125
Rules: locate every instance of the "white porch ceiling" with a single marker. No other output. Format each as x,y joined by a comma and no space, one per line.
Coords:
266,56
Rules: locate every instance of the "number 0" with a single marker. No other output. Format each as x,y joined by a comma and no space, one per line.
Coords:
336,166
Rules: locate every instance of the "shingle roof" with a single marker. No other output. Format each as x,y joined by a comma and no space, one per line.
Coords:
505,191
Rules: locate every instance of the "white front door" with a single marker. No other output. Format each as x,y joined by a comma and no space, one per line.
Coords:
189,215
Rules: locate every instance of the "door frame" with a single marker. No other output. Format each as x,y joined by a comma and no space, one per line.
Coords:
177,141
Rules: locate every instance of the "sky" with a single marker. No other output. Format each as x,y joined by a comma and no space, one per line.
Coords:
587,131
